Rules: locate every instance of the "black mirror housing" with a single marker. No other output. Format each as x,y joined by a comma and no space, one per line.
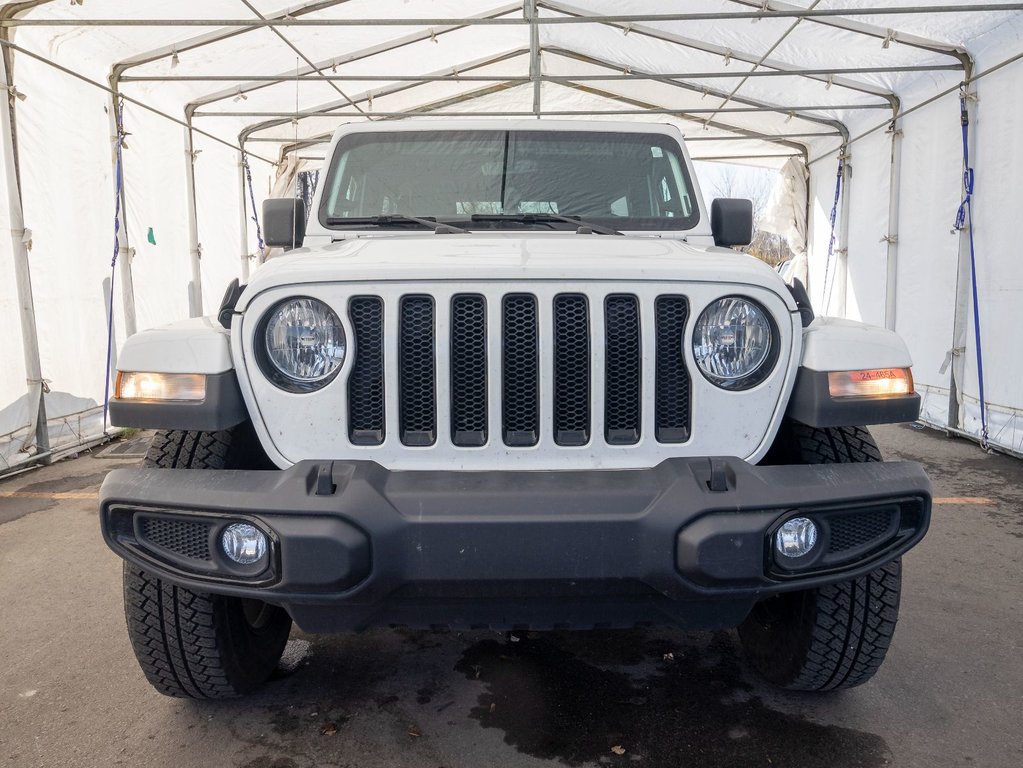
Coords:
284,222
731,221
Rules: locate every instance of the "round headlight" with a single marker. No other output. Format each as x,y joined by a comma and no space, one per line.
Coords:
305,344
732,342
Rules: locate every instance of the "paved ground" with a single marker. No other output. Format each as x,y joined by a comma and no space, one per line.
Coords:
951,693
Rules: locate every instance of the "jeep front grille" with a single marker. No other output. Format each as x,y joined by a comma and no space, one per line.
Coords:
366,383
469,370
464,351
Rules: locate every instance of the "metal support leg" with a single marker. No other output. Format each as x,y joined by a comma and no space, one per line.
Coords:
194,248
892,238
243,218
124,251
837,300
22,275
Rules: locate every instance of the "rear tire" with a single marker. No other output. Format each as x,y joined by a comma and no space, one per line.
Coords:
196,644
832,637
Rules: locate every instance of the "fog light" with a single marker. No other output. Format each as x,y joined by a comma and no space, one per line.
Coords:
796,537
243,543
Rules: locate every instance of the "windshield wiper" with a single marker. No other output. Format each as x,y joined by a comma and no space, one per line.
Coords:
439,228
584,227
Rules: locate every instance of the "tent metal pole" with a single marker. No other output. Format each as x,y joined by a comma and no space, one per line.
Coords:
248,85
124,251
837,297
892,238
570,112
701,89
971,77
836,20
822,13
726,53
8,45
38,432
325,138
530,12
194,247
325,110
243,218
455,78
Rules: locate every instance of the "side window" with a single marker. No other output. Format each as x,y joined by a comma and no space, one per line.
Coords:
620,207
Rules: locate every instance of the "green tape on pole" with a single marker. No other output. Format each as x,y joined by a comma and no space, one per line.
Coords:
151,237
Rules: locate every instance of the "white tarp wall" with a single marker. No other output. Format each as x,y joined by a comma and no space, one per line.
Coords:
725,81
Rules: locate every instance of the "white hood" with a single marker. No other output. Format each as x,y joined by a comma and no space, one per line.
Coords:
539,256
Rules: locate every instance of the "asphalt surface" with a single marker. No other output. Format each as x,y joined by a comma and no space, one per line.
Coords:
950,693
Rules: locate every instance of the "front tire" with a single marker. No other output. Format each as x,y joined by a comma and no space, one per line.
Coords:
836,636
196,644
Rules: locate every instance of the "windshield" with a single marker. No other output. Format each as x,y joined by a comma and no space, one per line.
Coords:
632,181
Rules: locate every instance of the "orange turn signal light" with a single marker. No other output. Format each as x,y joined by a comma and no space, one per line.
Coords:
138,385
875,382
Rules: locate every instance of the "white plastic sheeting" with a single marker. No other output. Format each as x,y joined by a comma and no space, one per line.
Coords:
268,88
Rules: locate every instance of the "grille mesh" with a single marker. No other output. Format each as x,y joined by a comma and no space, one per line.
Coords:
571,370
520,375
366,383
859,528
671,402
187,538
468,370
622,376
417,386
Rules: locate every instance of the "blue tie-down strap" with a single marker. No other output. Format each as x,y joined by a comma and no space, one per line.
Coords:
964,221
834,218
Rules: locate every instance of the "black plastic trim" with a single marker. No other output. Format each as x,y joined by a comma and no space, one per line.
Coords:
226,312
456,546
802,299
222,408
812,404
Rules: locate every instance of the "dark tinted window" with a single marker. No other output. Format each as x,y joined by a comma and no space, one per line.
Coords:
626,180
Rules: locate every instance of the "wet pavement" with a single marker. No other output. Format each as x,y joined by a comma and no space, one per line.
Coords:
950,694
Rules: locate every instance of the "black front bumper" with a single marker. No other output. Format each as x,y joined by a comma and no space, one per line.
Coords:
353,544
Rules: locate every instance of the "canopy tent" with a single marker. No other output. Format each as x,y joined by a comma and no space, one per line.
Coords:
167,123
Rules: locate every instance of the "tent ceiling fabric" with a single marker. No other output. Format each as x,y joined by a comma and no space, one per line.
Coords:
757,81
889,54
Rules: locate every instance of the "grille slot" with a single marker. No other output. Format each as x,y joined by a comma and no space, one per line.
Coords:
469,370
858,529
416,376
185,538
366,383
520,374
571,370
671,402
622,379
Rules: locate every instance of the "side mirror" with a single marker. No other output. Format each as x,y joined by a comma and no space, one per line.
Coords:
284,222
731,221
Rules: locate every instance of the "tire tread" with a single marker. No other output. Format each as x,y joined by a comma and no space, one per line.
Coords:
841,632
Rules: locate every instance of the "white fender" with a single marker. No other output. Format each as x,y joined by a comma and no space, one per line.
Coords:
197,345
835,344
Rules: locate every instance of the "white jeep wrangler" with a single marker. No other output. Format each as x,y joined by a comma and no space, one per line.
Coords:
506,379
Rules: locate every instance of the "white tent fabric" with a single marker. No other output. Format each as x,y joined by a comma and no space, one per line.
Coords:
790,85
